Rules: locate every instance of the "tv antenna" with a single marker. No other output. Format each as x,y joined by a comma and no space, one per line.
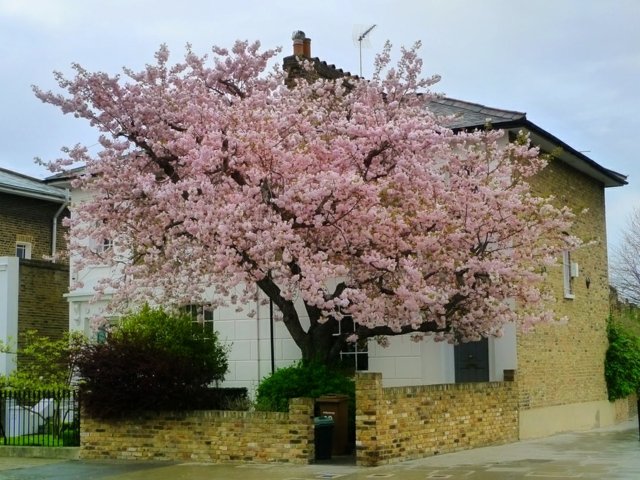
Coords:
360,35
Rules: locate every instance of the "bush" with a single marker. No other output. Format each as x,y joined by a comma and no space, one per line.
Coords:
622,363
151,361
44,363
176,334
302,380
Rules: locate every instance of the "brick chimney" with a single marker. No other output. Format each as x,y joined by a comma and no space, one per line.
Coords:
298,42
301,44
306,47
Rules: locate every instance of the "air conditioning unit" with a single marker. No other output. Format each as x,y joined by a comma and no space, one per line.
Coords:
575,270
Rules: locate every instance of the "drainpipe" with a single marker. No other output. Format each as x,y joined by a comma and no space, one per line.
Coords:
258,332
271,340
65,204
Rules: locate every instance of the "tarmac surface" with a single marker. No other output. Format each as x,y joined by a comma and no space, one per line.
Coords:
608,453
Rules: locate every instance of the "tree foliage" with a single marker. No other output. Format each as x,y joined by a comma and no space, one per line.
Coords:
302,380
625,264
43,363
622,364
350,195
152,360
178,335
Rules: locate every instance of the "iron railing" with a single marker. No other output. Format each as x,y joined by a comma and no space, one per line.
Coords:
46,418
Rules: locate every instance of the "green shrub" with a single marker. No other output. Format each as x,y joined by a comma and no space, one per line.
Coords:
152,360
176,334
44,363
622,363
302,380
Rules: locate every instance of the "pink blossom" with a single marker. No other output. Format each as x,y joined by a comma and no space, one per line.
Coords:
215,174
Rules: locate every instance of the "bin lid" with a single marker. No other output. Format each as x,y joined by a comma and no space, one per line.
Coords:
323,420
333,398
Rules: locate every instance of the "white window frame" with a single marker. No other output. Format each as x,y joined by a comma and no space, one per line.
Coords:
202,315
105,245
357,354
100,246
567,276
25,247
353,350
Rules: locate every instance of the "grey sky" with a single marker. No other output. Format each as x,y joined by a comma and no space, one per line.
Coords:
572,65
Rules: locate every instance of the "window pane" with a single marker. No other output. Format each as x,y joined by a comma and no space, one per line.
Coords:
23,250
362,361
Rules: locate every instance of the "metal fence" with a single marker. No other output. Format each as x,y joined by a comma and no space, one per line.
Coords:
45,418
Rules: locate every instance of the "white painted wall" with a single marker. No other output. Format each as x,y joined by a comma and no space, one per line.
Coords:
405,362
427,362
249,337
503,353
82,311
9,290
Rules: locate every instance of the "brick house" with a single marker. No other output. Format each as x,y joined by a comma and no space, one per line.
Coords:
31,286
559,369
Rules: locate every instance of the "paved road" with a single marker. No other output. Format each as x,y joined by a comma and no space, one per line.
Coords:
611,453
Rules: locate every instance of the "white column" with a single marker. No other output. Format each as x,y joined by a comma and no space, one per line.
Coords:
503,353
9,289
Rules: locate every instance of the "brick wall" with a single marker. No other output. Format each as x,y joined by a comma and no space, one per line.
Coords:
205,436
626,408
401,423
564,363
31,218
41,303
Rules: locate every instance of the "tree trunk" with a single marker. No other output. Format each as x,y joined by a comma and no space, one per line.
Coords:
321,342
321,345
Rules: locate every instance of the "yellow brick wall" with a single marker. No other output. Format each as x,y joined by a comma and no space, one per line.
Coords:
626,408
42,306
29,219
204,436
401,423
564,363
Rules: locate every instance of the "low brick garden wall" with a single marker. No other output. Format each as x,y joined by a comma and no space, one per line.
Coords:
204,436
626,408
392,425
402,423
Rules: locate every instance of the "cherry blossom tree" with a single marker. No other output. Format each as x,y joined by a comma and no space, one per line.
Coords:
349,196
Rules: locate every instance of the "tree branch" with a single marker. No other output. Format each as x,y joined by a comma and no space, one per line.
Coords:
426,327
289,314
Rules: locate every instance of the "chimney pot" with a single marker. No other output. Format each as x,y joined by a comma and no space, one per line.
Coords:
298,35
306,47
298,40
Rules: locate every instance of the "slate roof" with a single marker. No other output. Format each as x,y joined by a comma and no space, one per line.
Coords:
62,179
468,115
17,184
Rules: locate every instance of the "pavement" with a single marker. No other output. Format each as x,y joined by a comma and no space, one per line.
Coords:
607,453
